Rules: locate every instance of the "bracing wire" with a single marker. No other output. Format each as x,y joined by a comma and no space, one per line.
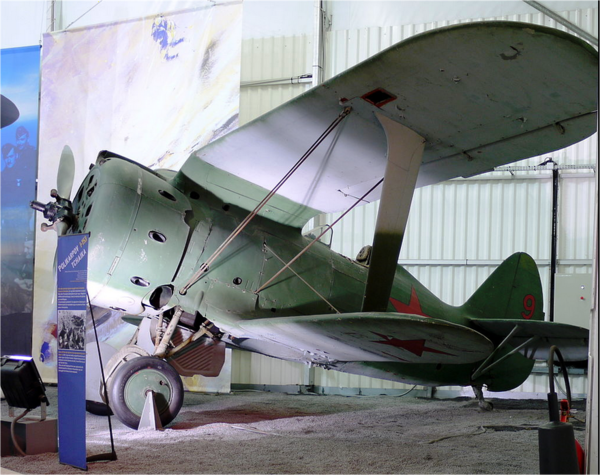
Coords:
206,265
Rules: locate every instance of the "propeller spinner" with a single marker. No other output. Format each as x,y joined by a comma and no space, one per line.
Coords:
60,212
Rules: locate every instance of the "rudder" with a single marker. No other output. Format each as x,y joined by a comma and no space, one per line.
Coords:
513,291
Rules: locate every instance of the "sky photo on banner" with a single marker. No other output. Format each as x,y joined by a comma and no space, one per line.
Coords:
20,84
152,90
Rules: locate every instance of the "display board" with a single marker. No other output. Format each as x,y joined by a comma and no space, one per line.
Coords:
71,277
20,84
152,89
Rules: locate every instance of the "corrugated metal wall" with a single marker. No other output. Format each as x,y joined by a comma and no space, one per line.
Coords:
348,47
458,231
268,60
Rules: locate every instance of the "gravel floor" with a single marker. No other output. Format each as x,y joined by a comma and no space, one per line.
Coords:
261,432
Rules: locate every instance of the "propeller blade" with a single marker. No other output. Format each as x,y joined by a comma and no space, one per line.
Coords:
66,173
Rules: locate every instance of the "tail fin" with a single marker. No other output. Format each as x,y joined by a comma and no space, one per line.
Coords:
513,291
511,300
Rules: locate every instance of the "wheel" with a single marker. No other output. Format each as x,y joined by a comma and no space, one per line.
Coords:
97,408
134,378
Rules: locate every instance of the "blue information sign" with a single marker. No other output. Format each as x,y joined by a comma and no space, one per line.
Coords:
71,305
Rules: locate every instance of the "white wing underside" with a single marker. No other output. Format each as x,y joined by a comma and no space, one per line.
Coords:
481,94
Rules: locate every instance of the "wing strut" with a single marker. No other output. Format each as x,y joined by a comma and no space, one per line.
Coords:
404,152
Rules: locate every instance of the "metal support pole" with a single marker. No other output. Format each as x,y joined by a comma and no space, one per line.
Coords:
317,69
317,78
554,247
52,16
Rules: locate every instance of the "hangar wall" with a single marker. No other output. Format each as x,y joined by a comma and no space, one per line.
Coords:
458,231
519,205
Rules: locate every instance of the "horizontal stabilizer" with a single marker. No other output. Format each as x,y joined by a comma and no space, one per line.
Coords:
572,341
374,336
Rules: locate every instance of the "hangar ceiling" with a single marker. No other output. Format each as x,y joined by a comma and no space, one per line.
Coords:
261,18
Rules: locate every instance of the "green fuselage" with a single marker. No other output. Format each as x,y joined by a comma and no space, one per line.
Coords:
145,234
151,231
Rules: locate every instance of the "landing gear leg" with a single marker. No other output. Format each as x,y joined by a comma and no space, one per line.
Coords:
483,404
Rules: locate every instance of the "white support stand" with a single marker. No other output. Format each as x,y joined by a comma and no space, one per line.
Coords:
150,419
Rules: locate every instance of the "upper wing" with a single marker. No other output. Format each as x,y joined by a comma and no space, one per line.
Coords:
481,94
374,336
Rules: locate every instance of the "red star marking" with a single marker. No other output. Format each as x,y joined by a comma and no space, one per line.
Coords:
413,307
416,347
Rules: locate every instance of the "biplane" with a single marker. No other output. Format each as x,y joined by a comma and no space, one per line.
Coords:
213,255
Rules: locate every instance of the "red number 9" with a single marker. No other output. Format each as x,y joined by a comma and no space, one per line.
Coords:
529,306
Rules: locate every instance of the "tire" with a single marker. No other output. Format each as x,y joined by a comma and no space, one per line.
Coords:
97,408
134,378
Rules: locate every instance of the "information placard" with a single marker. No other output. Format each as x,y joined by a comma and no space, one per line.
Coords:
71,309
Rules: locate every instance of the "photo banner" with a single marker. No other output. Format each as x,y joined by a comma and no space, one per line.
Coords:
71,276
153,90
18,171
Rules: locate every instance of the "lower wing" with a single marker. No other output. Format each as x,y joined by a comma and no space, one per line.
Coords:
396,337
374,336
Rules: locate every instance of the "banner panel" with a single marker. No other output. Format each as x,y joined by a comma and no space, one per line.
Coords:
18,170
71,272
152,90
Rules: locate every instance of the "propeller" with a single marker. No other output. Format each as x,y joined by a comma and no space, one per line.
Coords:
60,212
66,173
